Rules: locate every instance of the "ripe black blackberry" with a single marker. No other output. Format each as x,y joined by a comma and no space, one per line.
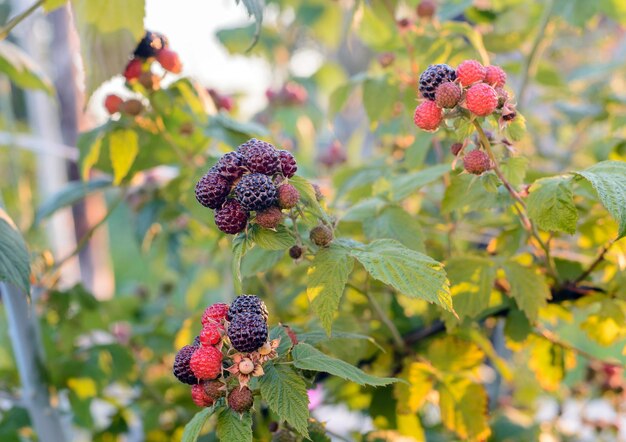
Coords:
230,166
247,304
252,143
432,77
212,190
256,192
295,252
261,159
247,332
150,45
288,163
181,370
231,218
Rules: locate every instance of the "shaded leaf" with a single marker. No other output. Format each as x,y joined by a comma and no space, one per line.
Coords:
404,185
529,288
73,192
22,69
14,258
471,283
395,223
551,205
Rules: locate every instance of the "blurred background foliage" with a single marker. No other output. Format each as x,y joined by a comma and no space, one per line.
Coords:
342,90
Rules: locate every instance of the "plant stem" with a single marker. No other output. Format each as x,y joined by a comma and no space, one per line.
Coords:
395,334
533,55
8,27
521,210
595,262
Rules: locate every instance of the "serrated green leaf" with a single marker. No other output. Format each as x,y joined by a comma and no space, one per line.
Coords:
285,392
14,259
471,283
464,410
232,427
551,205
411,273
529,288
514,169
395,223
327,278
109,31
195,425
516,129
404,185
307,357
279,239
123,149
608,178
465,191
259,260
22,69
308,196
73,192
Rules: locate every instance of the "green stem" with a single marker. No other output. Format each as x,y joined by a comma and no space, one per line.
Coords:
533,56
520,208
8,27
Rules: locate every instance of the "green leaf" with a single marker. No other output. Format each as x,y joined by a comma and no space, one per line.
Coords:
73,192
411,273
14,259
307,196
514,169
22,69
516,129
463,407
327,278
195,425
405,185
378,97
608,178
109,31
465,191
241,244
551,205
259,260
255,9
475,38
232,427
395,223
471,283
123,149
529,288
285,392
307,357
279,239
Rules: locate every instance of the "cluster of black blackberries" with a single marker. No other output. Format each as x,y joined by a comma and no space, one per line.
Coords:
247,329
251,179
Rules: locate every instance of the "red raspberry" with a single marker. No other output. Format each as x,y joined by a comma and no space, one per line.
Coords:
112,103
475,162
481,99
206,363
428,116
170,61
210,334
214,314
495,76
133,69
470,72
199,396
269,218
447,95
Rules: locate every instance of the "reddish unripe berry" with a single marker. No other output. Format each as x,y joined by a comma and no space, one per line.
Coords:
170,61
214,314
269,218
206,363
112,103
426,9
199,396
288,196
481,99
447,95
456,148
386,59
476,162
210,335
240,399
495,76
470,72
133,69
132,107
428,116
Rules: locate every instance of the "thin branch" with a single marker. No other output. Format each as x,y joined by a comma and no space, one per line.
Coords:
595,262
8,27
531,61
521,210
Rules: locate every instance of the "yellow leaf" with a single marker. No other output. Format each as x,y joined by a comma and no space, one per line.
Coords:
549,362
410,425
608,325
420,377
184,335
83,387
123,149
463,407
91,158
453,354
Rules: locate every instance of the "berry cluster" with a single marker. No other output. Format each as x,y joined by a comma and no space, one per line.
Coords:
471,87
230,350
153,46
254,178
